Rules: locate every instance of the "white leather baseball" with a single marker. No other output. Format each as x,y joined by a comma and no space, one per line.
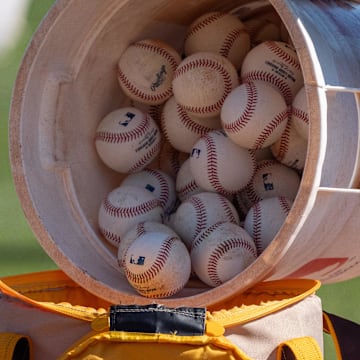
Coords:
254,115
139,229
218,32
202,81
201,211
291,148
157,264
300,114
127,140
146,69
183,129
264,220
220,252
219,165
124,207
157,182
277,63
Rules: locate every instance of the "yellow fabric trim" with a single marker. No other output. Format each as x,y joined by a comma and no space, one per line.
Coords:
329,329
105,343
48,290
261,300
8,343
304,348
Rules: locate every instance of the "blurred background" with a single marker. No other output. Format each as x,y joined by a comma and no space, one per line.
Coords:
19,249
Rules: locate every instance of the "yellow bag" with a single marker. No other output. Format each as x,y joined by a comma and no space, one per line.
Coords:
43,316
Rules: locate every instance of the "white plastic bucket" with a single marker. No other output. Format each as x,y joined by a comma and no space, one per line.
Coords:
66,83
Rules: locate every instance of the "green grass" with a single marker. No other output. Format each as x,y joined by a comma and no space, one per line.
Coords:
19,250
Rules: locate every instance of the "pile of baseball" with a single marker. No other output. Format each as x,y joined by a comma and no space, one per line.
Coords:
212,143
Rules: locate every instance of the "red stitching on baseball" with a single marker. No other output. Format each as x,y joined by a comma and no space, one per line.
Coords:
148,156
203,24
284,204
222,250
187,189
229,212
257,227
164,186
300,114
127,136
282,54
156,267
284,143
212,166
110,235
269,128
190,124
130,211
283,87
214,65
230,40
200,214
248,111
199,239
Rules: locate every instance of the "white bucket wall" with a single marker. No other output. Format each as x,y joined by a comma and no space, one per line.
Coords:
67,83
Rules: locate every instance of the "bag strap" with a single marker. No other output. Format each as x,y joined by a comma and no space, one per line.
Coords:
304,348
15,347
345,335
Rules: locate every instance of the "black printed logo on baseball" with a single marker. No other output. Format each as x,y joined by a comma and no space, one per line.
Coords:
129,116
139,261
267,181
160,78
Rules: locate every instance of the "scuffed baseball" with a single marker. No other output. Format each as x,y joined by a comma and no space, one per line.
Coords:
124,207
300,114
201,211
276,63
254,115
219,32
221,252
265,219
139,229
291,148
219,165
127,140
157,182
202,81
157,265
182,129
146,69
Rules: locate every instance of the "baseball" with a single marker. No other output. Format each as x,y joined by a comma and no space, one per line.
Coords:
202,81
273,179
185,184
182,129
218,32
201,211
157,264
254,115
136,231
300,114
124,207
277,63
146,69
157,182
264,220
220,252
219,165
127,140
291,148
